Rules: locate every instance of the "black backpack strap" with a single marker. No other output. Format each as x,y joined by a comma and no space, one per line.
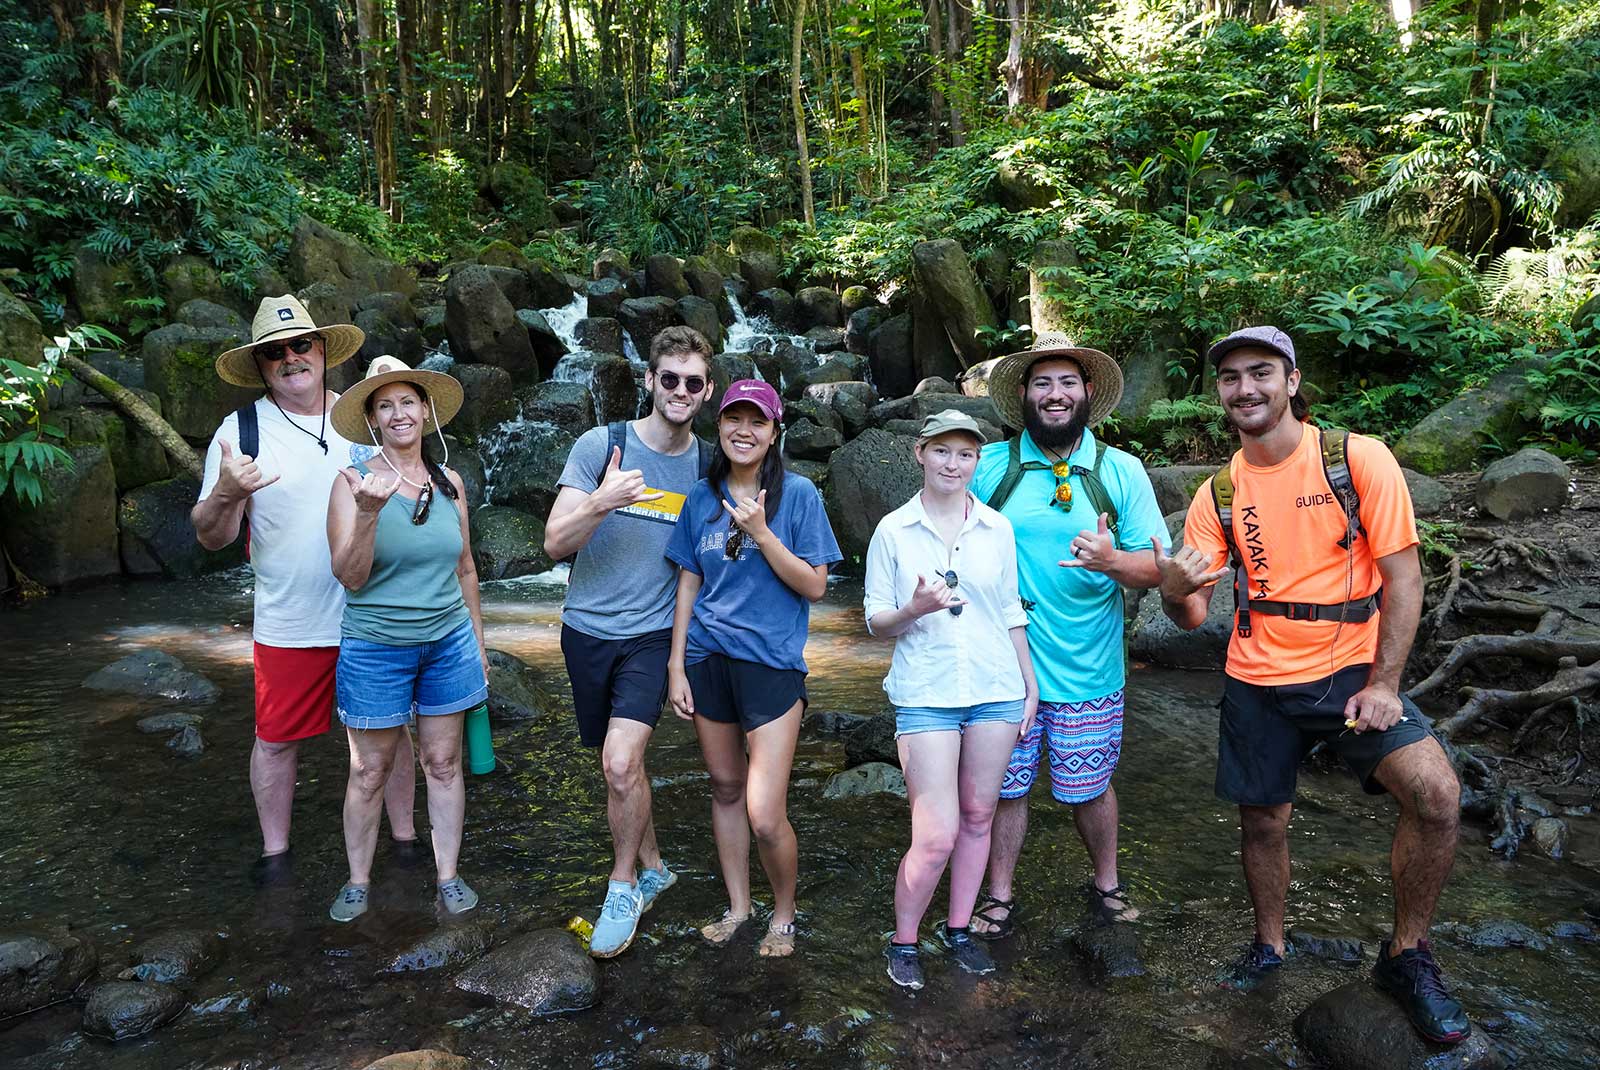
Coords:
1099,496
706,453
249,430
1222,499
1013,476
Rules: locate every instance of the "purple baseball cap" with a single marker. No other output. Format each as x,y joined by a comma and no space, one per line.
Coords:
1265,337
756,392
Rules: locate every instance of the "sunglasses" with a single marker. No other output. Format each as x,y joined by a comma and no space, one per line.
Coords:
299,347
1063,492
419,512
952,581
735,542
670,380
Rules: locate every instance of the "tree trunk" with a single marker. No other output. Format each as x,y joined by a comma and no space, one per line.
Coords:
405,24
134,407
796,39
436,86
1012,67
935,54
954,45
510,31
380,103
572,45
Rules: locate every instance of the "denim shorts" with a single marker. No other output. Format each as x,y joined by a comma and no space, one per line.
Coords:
909,720
384,686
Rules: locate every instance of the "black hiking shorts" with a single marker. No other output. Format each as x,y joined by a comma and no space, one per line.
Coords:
1267,731
624,678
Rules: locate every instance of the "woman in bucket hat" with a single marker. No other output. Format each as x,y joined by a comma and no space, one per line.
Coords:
942,579
752,545
411,644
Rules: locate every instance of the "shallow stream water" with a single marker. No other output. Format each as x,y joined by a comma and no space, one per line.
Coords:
103,829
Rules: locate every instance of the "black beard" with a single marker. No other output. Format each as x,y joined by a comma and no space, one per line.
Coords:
1056,437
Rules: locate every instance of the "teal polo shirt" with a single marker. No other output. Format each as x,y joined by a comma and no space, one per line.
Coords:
1075,625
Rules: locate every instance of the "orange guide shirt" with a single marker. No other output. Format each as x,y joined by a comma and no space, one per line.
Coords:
1288,524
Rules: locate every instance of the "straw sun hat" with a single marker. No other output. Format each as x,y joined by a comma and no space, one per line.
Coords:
349,414
1103,373
279,319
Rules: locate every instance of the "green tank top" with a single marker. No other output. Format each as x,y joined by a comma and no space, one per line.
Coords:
412,596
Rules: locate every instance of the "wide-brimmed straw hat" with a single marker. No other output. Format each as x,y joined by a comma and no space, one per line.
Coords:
349,415
279,319
1102,372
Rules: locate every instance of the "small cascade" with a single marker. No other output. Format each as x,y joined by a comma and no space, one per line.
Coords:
756,334
564,320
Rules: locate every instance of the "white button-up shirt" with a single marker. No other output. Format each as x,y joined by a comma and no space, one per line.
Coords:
941,659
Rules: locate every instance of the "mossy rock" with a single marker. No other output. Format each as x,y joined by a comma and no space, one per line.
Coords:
136,458
501,253
21,337
1450,438
188,277
72,535
156,538
101,287
180,367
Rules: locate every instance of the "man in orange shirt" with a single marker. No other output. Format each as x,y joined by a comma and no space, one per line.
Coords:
1313,658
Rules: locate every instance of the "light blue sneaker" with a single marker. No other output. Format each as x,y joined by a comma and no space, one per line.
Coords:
652,882
618,922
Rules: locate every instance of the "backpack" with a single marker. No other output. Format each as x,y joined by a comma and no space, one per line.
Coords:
1336,470
1099,497
617,439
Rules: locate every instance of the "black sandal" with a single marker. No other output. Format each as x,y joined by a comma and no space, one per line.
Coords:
1003,927
1103,911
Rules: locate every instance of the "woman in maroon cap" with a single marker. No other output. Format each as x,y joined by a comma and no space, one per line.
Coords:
753,548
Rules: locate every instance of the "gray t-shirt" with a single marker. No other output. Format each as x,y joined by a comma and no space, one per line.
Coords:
622,584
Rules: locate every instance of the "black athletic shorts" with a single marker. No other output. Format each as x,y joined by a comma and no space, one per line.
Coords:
1267,731
745,693
624,678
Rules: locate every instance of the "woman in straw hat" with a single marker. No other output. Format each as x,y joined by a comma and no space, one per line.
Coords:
942,579
411,642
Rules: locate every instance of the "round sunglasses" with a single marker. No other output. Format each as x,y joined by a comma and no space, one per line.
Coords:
670,380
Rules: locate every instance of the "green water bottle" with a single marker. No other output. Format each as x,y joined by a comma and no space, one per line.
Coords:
480,747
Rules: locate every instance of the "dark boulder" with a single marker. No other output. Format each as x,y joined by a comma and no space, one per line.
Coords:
702,315
487,398
1428,495
42,968
156,538
180,366
101,286
946,280
174,721
392,305
818,306
507,542
859,327
1175,485
187,743
1332,948
519,691
198,312
872,778
568,406
468,464
609,380
868,478
21,335
387,336
645,317
550,288
1157,640
757,256
599,334
544,972
71,536
318,254
918,407
525,465
1356,1027
775,304
1112,951
1525,484
121,1010
187,277
1449,438
612,264
153,674
663,277
501,253
810,442
605,297
483,326
871,740
548,348
889,355
137,459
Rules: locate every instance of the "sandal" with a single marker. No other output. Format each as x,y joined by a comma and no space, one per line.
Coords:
778,943
1100,904
721,931
1002,927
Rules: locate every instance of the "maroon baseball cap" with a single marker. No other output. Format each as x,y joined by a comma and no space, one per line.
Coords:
1265,337
756,392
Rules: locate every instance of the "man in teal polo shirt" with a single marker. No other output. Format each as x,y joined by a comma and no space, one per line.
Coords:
1084,516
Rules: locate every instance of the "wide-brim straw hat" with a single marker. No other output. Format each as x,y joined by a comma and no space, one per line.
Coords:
349,415
280,319
1104,375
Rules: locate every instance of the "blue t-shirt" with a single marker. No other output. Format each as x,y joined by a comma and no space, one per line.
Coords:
744,610
1075,622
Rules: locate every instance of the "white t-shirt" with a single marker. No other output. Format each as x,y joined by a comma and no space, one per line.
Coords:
298,601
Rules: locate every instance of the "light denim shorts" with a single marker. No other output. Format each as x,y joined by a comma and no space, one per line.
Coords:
384,686
909,720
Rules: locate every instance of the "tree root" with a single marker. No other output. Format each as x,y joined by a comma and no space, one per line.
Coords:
1505,553
1448,599
1538,646
1540,716
1570,680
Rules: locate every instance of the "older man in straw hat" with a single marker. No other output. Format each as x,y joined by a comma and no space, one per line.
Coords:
1084,516
279,486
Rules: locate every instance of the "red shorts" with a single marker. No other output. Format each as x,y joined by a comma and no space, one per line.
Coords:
294,691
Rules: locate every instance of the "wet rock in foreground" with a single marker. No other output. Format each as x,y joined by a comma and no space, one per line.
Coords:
452,945
1332,948
680,1047
426,1059
188,743
1112,950
119,1010
179,957
873,778
38,969
1356,1027
175,721
154,674
545,972
872,741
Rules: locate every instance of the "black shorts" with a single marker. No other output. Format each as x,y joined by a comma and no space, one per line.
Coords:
624,678
1267,731
745,693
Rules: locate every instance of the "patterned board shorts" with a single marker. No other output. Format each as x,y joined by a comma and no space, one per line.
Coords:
1084,741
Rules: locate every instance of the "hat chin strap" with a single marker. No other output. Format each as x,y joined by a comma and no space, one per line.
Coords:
373,431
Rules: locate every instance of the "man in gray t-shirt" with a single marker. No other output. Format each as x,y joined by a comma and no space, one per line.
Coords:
613,516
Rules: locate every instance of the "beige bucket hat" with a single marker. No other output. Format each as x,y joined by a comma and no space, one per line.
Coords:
278,319
349,415
1102,371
